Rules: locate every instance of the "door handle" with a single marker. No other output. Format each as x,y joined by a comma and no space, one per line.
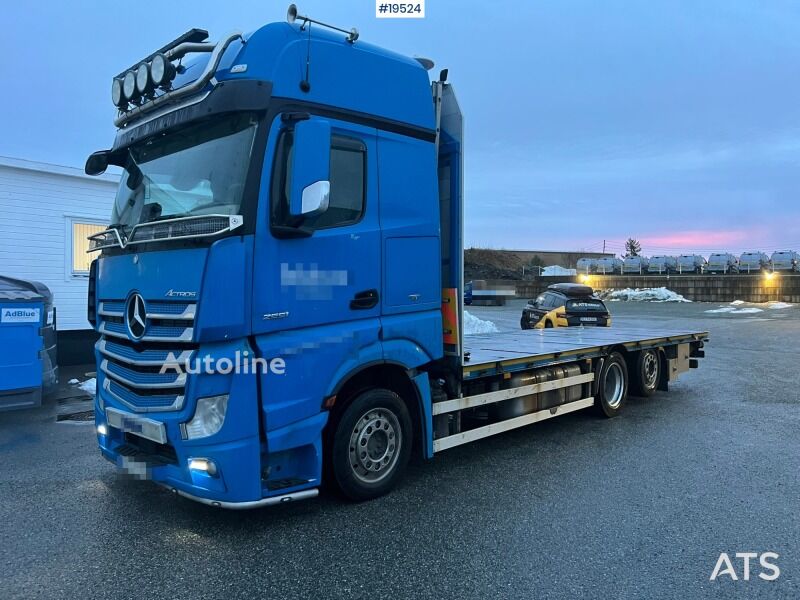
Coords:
364,300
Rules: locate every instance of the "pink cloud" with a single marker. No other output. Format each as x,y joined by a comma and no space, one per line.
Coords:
698,239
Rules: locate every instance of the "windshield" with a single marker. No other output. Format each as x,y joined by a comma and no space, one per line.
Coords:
198,170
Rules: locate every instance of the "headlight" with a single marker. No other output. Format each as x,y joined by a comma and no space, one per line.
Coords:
143,79
129,86
161,70
116,94
208,417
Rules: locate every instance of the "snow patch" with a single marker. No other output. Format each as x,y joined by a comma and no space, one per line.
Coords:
660,294
778,305
89,386
735,311
732,307
473,325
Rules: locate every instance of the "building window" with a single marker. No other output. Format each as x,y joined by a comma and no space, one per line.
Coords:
80,258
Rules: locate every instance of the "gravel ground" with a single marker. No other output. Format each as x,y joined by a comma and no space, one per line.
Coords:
636,507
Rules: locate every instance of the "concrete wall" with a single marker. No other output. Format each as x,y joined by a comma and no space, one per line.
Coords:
700,288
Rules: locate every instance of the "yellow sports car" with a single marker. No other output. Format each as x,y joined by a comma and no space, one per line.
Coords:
565,305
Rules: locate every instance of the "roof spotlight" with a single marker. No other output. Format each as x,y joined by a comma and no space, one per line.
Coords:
116,94
291,14
162,71
143,83
129,86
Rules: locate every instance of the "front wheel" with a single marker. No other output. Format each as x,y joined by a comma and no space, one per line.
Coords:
524,323
371,445
613,386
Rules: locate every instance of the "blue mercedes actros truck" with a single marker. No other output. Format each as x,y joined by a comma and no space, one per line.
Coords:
279,294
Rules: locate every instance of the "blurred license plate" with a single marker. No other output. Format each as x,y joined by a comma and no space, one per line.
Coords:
588,319
146,428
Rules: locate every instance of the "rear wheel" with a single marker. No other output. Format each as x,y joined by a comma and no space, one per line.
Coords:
613,386
371,445
647,373
548,324
523,323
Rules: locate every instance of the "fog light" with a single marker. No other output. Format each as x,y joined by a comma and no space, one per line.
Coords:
203,465
143,82
162,71
129,87
102,430
116,94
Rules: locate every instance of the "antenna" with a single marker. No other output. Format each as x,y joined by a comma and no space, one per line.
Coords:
292,16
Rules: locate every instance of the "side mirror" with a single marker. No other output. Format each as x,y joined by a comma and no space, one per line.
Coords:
97,163
310,175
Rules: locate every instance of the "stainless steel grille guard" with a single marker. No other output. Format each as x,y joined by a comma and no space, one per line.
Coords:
234,222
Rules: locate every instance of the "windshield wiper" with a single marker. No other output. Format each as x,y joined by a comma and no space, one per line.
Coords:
167,217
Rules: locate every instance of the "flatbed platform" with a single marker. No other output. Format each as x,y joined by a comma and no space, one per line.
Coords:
493,353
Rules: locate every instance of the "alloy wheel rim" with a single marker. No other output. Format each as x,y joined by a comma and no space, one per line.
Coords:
375,445
613,386
650,368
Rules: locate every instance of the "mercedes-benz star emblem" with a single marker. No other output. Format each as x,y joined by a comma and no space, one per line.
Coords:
136,316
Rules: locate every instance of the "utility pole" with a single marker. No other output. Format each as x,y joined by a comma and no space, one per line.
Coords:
604,246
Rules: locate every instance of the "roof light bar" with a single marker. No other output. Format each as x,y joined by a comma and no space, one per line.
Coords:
157,71
193,36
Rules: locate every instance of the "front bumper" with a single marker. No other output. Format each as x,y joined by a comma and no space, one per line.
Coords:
271,501
237,464
251,467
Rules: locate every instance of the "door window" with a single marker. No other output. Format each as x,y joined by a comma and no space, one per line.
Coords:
347,177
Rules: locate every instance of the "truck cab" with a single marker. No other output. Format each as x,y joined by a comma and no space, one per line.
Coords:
254,220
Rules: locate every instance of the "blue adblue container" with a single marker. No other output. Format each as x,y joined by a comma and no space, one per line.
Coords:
27,343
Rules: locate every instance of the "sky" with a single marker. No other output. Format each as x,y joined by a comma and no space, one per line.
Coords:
673,122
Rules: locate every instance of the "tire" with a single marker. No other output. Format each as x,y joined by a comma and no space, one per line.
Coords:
376,422
523,323
612,391
548,324
646,373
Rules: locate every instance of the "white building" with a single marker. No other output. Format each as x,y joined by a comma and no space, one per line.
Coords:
46,212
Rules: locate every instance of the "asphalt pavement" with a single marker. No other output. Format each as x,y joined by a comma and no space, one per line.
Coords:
640,506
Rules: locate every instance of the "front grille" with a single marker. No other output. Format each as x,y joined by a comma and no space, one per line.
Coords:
132,368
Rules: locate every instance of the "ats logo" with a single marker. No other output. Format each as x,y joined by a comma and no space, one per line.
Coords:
20,315
768,568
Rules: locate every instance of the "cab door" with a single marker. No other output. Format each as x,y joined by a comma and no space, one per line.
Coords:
323,269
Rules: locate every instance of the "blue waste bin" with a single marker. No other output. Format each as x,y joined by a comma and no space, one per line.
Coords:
27,343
